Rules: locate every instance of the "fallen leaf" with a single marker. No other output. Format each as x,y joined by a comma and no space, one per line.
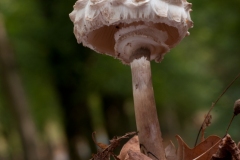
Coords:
186,153
100,145
132,144
107,150
170,152
136,155
227,150
131,150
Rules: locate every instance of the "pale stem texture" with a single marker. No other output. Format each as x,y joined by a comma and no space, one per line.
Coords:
150,138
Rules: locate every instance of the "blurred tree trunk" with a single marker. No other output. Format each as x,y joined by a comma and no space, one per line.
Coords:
117,121
68,80
16,97
67,64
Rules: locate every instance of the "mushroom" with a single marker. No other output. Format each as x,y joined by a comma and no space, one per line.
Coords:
135,32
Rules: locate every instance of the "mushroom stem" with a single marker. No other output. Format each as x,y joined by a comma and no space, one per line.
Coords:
150,138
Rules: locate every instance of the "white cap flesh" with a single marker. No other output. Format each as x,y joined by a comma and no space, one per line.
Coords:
117,27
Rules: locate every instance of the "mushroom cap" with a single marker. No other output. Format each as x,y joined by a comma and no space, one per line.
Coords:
117,27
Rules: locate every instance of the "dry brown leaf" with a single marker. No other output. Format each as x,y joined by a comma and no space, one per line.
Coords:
136,155
132,144
100,145
227,150
170,152
131,151
106,152
186,153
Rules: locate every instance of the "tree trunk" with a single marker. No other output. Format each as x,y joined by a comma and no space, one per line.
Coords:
72,94
16,98
116,119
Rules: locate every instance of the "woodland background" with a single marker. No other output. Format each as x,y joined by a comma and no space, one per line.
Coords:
68,91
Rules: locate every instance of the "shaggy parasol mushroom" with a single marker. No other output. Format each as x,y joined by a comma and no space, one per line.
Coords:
136,32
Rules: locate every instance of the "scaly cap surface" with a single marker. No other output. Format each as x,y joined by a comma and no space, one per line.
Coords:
112,27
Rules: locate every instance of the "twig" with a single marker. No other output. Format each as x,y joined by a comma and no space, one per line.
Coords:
107,150
213,105
227,142
207,150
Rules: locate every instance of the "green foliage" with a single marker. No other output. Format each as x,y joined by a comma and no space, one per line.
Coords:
186,82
